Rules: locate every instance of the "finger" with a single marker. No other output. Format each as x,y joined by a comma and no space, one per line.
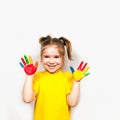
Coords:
72,69
26,59
23,61
86,74
80,66
30,60
84,67
36,64
21,65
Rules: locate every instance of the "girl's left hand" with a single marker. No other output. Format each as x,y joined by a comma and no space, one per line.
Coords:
81,71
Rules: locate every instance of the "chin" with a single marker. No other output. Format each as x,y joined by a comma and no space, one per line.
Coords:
51,71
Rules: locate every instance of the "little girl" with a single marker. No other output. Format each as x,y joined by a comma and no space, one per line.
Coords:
54,90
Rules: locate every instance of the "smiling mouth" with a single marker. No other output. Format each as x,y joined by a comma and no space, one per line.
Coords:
51,66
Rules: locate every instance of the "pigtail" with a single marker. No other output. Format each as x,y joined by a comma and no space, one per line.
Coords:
67,43
43,39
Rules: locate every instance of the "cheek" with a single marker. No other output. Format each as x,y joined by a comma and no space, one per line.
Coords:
61,61
43,61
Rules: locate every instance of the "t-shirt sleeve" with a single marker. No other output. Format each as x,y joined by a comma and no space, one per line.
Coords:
36,79
70,83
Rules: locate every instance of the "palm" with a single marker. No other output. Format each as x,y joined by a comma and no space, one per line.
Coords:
28,66
80,72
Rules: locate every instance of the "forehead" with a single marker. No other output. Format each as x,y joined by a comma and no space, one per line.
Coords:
52,49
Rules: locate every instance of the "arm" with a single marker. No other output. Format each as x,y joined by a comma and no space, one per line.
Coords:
78,75
28,93
29,69
73,97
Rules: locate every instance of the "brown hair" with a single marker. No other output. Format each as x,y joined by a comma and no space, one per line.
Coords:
59,42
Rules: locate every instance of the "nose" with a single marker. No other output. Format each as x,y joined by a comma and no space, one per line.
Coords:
51,60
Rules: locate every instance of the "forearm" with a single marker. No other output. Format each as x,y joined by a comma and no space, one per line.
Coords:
73,97
28,93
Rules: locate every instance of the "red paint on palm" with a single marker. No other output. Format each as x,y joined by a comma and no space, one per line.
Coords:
30,69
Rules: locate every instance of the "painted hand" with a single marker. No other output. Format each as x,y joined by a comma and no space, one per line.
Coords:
27,65
81,71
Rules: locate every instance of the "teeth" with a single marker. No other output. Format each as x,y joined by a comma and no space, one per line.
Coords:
51,66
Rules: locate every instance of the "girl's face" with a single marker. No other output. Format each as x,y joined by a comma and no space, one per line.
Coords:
51,59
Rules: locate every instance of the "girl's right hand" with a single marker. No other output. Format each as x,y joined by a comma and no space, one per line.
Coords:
27,65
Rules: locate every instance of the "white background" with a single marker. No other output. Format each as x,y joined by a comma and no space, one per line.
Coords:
92,26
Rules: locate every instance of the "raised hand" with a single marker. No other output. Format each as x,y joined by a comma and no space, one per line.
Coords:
81,71
27,65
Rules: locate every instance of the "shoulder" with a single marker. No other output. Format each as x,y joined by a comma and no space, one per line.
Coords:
68,74
37,75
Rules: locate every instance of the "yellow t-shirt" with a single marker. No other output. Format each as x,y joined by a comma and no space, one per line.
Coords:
51,91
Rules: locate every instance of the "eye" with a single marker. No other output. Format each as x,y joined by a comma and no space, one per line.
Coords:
46,56
57,56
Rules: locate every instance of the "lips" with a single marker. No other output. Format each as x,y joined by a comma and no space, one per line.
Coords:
51,66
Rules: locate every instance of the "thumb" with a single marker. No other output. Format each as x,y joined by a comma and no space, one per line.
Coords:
36,64
72,69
